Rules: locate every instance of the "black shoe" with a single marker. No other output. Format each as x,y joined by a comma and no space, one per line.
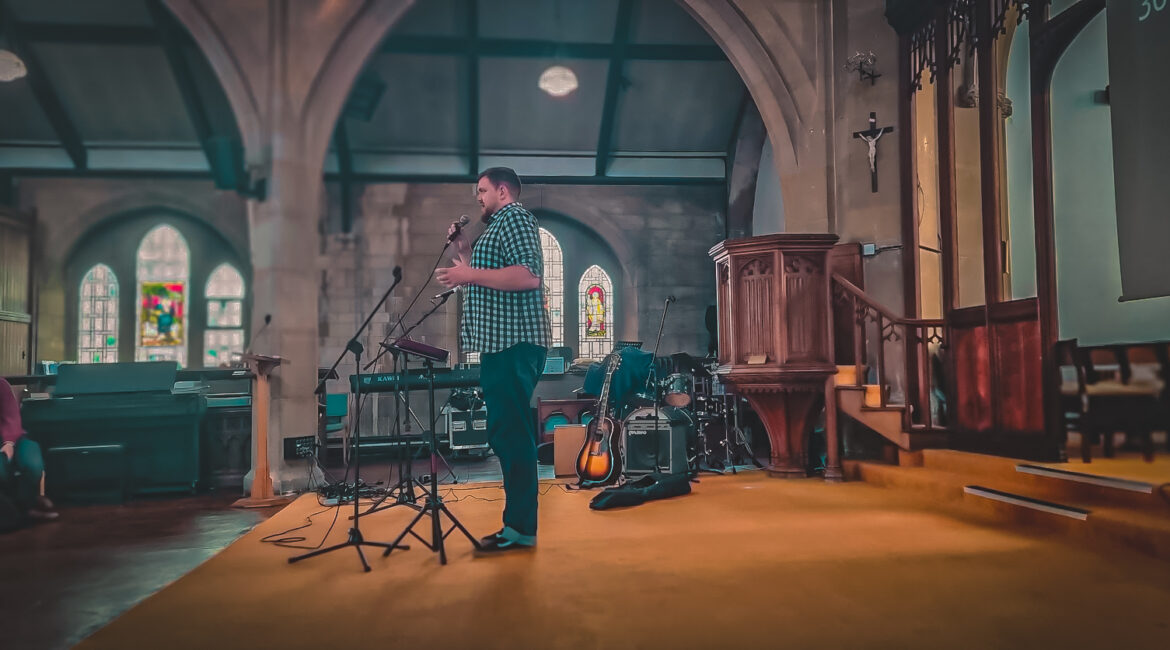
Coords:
497,543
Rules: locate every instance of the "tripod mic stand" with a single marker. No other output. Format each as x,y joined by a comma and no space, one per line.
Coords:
355,534
434,505
406,481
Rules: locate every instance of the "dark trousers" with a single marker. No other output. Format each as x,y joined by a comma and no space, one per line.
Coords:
508,378
21,476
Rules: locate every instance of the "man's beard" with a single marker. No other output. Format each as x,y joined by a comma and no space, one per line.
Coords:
485,216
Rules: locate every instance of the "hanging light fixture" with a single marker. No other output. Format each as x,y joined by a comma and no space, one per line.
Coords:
558,81
11,67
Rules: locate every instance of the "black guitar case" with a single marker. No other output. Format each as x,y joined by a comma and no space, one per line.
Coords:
648,488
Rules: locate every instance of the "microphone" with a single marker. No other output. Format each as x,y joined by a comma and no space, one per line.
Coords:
448,292
267,320
463,221
670,299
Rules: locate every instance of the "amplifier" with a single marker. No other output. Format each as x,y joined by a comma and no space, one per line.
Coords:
466,429
655,445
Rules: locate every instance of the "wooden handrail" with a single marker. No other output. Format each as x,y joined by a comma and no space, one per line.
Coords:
886,313
916,335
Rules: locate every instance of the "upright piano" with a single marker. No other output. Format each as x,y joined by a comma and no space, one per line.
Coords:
97,408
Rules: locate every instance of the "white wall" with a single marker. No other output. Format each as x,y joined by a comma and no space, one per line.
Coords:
1087,261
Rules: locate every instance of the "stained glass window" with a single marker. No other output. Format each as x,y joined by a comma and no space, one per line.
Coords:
225,316
554,285
595,305
97,322
163,263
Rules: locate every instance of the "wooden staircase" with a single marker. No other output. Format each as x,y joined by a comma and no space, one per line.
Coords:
881,337
863,404
1005,491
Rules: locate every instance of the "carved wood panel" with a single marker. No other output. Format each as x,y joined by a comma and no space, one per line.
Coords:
724,307
804,292
754,313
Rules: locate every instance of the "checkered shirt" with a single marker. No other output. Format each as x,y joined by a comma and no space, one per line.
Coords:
495,320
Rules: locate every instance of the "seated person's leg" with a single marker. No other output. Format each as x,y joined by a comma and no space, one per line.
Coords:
28,490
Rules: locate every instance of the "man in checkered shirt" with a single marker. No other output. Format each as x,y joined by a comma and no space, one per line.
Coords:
504,319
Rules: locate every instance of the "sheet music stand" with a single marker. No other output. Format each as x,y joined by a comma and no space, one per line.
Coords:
261,495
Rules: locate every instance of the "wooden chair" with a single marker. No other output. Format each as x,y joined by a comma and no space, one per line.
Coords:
1074,402
1126,390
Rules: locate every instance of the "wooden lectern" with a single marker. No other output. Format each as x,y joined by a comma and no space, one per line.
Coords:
261,495
775,341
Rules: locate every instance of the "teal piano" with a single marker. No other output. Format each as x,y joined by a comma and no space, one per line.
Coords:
124,427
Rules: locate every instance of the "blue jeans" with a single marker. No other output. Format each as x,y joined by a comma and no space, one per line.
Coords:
508,378
21,476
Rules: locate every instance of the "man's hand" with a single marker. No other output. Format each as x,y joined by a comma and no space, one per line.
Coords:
460,243
458,274
9,450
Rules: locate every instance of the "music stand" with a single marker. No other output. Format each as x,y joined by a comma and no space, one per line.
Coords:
261,494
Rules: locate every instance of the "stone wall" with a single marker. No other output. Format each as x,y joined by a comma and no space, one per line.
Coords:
69,210
658,235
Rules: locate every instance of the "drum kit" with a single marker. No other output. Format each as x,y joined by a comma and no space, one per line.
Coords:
695,397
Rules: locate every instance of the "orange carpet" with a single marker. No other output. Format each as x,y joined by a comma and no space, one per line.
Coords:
1127,465
744,561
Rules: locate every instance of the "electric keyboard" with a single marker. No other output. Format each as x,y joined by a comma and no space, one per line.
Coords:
386,382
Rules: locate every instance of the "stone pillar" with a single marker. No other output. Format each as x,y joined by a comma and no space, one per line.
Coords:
287,67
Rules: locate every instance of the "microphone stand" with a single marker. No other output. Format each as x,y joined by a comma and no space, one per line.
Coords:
406,481
434,502
355,534
417,295
654,373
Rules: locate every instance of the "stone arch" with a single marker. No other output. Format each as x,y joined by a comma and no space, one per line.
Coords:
132,205
335,78
756,40
759,46
229,70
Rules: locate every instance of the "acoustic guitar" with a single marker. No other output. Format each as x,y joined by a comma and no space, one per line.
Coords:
599,462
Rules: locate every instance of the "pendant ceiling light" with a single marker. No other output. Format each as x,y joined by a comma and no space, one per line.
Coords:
558,81
11,67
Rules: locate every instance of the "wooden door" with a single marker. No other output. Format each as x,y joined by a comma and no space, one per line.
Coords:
16,295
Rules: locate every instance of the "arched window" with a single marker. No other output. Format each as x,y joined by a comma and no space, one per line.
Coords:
595,304
554,284
97,317
225,316
163,263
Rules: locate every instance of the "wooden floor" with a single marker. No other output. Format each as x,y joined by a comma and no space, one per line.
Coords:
744,561
61,581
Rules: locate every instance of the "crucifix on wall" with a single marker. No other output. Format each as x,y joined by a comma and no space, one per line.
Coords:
871,136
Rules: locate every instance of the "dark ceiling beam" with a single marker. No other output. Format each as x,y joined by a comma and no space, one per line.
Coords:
89,34
359,177
473,87
344,173
613,84
169,33
520,48
451,45
43,91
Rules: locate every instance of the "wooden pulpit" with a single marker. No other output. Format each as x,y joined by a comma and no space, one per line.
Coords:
261,495
775,341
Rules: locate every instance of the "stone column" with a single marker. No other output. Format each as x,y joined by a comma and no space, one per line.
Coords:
287,67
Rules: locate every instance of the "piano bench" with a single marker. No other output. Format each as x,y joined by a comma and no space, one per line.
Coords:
90,473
